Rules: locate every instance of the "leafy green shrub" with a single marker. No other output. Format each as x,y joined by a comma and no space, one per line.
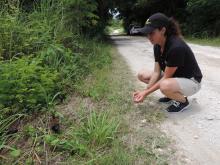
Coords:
82,15
76,62
62,56
55,56
25,84
19,38
26,34
70,66
201,24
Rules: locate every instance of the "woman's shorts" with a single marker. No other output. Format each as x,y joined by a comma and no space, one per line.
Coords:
188,86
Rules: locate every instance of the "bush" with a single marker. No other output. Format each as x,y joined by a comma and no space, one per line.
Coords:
45,53
28,33
199,22
26,85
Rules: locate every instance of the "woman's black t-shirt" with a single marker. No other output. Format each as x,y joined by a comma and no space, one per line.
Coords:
178,54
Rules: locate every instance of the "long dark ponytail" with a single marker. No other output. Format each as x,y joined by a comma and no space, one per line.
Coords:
173,28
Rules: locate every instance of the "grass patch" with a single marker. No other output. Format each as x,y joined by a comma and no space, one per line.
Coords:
114,86
99,125
99,129
204,41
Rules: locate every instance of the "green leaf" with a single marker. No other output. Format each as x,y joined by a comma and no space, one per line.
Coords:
55,142
15,152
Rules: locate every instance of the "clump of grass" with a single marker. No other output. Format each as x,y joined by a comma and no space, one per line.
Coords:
99,129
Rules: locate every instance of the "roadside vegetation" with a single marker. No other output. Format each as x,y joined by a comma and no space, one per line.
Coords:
63,97
65,94
115,27
204,41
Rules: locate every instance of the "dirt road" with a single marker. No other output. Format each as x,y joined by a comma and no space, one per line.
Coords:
196,131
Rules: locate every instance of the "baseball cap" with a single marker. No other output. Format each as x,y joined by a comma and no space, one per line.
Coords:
155,21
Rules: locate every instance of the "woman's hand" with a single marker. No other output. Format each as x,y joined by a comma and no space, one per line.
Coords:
139,96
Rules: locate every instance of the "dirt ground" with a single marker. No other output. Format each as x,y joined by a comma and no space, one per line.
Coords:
195,131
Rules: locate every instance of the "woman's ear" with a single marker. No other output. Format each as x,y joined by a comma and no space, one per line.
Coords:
163,30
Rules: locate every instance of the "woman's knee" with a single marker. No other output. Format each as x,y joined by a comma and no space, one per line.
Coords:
144,75
167,85
140,76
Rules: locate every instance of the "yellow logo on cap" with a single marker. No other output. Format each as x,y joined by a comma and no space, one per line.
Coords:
147,22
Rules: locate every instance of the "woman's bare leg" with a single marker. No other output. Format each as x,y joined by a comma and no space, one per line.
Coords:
170,88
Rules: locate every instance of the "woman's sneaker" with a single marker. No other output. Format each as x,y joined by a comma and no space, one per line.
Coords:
164,100
177,106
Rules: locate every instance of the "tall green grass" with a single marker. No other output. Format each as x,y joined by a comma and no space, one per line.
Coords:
99,129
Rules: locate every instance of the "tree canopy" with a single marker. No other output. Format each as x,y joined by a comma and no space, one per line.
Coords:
200,18
196,17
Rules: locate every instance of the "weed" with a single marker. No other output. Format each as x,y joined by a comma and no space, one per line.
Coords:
29,130
98,129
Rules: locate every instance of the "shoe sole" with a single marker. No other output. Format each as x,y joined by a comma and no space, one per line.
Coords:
185,108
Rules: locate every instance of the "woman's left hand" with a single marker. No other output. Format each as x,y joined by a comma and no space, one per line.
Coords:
139,96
